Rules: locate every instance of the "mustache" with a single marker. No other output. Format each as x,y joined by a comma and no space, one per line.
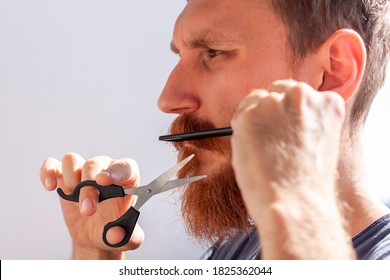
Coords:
188,123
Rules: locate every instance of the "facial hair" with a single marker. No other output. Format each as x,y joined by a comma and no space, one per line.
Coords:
212,208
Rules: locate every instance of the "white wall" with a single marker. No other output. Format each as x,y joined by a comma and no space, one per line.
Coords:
377,142
85,76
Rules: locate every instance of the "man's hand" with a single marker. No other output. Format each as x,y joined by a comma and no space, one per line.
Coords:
285,152
85,220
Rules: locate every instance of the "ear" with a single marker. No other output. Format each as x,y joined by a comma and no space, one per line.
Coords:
343,58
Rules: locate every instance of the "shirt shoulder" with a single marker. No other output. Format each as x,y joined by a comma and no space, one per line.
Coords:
373,243
242,246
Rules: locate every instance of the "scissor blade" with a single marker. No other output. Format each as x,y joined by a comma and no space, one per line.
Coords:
179,182
146,192
166,187
163,178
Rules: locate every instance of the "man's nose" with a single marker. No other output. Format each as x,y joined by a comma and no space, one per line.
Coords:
179,95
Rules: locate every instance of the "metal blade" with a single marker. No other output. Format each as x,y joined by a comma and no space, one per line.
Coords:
146,192
167,186
179,182
163,178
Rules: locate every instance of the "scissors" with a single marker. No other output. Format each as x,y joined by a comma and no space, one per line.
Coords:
129,219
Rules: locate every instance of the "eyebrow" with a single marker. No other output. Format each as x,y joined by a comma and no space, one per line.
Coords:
205,39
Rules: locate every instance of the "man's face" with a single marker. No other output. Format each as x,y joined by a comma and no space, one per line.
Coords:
227,48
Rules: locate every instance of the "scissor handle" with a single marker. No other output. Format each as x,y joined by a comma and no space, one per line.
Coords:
127,221
105,192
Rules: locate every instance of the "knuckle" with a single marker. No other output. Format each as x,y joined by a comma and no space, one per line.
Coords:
91,160
258,110
70,157
301,89
282,85
249,115
298,95
336,102
258,94
297,92
252,98
90,163
96,160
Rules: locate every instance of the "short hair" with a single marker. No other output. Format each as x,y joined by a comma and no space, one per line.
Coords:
311,22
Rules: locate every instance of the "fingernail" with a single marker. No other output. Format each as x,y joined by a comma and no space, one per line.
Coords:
49,183
105,173
114,175
87,205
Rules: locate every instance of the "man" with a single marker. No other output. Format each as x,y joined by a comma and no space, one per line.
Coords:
292,174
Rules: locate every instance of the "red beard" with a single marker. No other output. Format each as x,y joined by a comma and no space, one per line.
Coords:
212,208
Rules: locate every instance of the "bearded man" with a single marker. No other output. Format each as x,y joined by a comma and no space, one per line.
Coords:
295,81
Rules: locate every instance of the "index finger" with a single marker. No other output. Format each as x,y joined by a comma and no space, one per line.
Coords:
124,172
50,173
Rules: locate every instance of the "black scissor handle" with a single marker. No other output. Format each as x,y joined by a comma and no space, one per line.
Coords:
105,192
127,221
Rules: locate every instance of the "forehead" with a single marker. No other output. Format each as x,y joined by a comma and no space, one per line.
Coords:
224,19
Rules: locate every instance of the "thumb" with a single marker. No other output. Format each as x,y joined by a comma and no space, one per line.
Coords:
124,172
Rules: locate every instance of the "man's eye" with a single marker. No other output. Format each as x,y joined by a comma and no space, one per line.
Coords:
213,53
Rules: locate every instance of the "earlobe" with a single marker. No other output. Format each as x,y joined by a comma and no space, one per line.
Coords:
343,57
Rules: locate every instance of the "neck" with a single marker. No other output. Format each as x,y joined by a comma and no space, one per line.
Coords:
360,204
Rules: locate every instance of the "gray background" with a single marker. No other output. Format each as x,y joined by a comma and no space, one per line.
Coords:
84,76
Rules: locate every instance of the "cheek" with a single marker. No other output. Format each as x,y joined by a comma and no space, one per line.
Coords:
223,105
223,89
222,93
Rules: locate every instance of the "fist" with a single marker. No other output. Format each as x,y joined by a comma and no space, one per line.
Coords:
286,142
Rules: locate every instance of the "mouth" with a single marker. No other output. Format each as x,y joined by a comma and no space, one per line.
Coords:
191,135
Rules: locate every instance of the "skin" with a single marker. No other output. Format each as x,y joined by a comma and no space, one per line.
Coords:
238,54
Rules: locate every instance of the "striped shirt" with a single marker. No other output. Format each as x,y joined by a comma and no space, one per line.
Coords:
373,243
